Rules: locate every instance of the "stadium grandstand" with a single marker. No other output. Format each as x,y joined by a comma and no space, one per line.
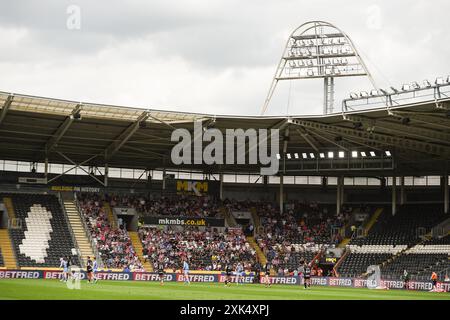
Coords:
365,186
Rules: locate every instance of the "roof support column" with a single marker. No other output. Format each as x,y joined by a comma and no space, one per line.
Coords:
46,167
446,195
221,186
281,194
402,190
106,175
338,194
394,195
164,179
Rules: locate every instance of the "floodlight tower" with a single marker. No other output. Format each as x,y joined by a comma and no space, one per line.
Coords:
318,49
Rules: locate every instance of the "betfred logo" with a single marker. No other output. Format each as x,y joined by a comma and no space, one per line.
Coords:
340,282
196,278
280,280
242,279
151,277
19,274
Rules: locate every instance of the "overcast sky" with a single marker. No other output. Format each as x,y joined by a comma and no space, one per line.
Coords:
207,56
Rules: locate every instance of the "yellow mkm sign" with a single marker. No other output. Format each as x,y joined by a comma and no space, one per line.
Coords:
197,187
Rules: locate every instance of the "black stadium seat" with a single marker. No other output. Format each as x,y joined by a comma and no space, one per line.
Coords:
60,243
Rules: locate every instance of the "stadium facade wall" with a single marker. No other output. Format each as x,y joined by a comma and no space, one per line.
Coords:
213,278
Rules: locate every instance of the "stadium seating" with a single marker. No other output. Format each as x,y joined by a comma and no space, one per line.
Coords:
44,237
420,260
393,237
402,229
355,264
205,250
175,205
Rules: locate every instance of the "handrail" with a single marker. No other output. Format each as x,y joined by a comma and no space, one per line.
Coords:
346,253
88,233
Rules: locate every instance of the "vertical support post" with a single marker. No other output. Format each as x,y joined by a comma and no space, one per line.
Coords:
394,195
106,174
164,179
221,186
446,197
341,201
46,167
281,194
338,195
402,190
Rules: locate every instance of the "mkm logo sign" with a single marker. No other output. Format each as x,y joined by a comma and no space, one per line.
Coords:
196,187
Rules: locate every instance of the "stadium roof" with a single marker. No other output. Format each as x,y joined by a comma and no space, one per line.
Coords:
33,128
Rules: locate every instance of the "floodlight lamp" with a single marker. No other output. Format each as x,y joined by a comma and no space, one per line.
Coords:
341,154
322,155
372,154
353,95
426,84
296,155
374,92
406,87
278,156
354,154
394,90
439,81
304,155
288,155
415,85
363,94
331,154
388,153
311,155
363,154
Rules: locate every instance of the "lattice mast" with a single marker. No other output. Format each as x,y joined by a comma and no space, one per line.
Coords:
318,49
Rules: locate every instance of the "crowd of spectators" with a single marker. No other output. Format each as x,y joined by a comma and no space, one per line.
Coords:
113,245
175,205
209,249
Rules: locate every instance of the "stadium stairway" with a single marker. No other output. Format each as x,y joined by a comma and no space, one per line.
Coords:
112,220
228,217
9,207
79,231
255,218
137,244
7,250
373,219
261,257
344,242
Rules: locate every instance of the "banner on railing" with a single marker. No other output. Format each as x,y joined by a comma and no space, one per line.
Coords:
210,278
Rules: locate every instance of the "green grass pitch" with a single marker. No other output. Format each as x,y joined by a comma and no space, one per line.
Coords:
54,289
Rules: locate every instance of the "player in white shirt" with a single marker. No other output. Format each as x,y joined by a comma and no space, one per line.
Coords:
94,270
186,272
239,271
63,265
